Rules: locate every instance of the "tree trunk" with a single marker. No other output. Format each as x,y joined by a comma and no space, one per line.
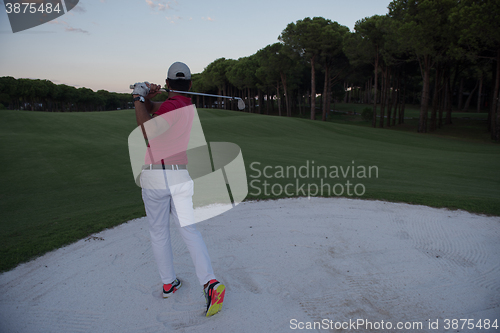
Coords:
390,98
219,99
274,103
224,93
435,100
349,94
365,95
374,120
446,81
267,100
259,98
424,106
467,102
444,104
278,98
479,93
249,94
494,122
449,104
345,92
403,109
400,102
313,89
325,93
448,100
388,101
299,100
383,100
285,92
460,94
497,138
395,92
308,97
320,107
368,91
328,95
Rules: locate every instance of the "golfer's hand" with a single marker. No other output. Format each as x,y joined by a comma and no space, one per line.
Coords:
141,89
154,90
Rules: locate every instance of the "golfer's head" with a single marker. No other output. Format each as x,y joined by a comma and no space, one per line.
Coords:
179,77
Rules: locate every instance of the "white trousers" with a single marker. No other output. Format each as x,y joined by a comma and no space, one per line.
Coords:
168,194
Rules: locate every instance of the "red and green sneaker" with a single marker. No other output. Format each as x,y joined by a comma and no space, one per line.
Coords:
169,289
214,294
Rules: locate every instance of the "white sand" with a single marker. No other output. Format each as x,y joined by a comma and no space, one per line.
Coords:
334,259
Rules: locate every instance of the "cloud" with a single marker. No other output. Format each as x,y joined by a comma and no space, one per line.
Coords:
208,18
173,19
71,29
160,5
67,27
163,6
57,22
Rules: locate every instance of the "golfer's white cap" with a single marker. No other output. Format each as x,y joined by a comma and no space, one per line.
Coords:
179,71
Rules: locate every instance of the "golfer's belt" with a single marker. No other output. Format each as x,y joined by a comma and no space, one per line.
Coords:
164,166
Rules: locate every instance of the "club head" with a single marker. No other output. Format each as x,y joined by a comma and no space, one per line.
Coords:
241,104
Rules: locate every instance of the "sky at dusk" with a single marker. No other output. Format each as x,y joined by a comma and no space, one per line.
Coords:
110,44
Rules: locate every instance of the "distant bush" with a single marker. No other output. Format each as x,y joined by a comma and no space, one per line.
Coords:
367,114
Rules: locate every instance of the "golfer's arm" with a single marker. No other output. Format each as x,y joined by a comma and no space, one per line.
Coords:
141,113
151,106
154,127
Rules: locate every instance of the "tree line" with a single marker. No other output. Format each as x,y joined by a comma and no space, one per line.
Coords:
441,54
44,95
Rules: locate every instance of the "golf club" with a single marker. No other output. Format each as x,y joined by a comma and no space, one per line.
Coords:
241,104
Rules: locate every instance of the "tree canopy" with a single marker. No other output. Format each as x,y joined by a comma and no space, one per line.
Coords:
44,95
441,54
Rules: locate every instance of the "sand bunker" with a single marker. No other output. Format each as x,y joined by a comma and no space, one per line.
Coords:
286,264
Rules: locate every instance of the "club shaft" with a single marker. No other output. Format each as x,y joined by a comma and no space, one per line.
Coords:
193,93
199,94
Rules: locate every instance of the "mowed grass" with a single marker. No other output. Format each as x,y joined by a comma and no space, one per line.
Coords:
412,167
67,175
64,176
411,111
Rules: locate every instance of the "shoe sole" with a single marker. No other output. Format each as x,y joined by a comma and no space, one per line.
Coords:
170,294
216,305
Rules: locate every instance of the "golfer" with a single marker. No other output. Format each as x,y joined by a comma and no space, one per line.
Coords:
167,187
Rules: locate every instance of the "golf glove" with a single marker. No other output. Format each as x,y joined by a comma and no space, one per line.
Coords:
141,89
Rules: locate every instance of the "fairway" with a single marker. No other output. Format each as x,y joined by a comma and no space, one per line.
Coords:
67,175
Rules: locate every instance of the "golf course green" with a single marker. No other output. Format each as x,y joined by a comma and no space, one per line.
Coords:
67,175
